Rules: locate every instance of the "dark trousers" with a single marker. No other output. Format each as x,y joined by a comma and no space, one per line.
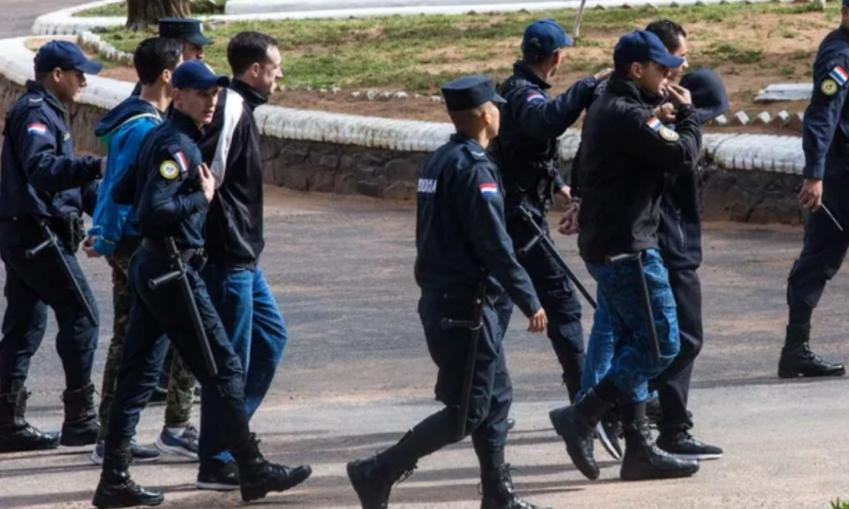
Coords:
154,314
673,385
31,286
557,296
492,390
823,251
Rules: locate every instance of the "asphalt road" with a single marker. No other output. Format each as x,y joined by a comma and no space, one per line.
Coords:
17,15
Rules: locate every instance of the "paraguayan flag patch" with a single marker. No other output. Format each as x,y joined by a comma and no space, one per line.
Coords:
839,75
654,124
427,186
533,96
36,128
488,188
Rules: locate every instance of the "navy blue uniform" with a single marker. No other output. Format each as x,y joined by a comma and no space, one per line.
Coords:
528,154
169,202
825,141
462,243
42,181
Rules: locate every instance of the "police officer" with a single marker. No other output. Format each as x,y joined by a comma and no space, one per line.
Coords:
626,152
825,142
43,184
464,256
172,192
528,157
189,32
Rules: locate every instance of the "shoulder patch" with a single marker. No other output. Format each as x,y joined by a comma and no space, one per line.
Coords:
488,188
37,128
668,134
427,186
828,86
534,96
839,75
169,169
35,101
654,123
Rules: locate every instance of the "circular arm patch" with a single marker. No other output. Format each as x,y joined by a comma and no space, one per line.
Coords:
169,169
829,87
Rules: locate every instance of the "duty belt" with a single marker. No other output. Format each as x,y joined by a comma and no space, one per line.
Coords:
196,257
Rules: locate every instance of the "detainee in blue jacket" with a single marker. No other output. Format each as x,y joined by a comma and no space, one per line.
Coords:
114,233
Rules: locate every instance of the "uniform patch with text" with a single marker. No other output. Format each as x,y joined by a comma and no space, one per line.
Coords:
657,126
36,128
427,186
488,188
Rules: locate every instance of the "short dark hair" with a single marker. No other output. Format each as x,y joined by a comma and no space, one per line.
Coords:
154,55
248,48
669,33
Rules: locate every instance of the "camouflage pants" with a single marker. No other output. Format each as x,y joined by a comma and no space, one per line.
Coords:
181,382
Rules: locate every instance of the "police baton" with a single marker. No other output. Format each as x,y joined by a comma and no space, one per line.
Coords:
644,294
833,218
179,275
52,242
542,238
474,326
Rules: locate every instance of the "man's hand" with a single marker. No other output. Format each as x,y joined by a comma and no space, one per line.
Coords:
604,73
565,194
207,181
666,113
568,224
810,196
538,322
88,247
679,95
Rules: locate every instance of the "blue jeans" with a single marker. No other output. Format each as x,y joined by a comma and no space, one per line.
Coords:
619,344
257,331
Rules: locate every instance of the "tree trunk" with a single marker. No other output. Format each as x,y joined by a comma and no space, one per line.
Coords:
579,19
143,13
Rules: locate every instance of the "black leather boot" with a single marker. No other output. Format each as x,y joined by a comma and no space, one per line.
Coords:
258,477
576,425
497,489
797,359
116,488
81,425
373,477
643,459
16,434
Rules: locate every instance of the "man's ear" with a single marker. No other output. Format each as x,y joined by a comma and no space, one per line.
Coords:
165,77
635,70
56,74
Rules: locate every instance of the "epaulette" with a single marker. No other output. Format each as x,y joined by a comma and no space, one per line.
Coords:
477,156
35,101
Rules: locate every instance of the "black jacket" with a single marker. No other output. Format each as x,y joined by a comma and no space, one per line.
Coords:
625,153
231,148
460,234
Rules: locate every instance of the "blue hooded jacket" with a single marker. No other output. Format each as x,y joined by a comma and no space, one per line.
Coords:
122,131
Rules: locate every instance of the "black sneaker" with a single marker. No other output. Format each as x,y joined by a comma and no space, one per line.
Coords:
683,445
217,476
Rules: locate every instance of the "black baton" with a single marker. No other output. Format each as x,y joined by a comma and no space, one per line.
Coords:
648,314
51,242
474,325
179,275
542,238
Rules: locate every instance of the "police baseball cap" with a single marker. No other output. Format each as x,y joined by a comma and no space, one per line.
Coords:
469,92
64,55
187,29
642,46
543,37
197,75
708,92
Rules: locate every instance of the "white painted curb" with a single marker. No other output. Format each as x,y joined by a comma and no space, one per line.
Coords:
731,151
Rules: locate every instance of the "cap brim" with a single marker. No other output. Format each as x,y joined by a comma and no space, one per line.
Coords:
668,60
198,39
89,67
497,99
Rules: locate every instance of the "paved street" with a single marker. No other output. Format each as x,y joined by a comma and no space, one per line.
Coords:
16,16
356,375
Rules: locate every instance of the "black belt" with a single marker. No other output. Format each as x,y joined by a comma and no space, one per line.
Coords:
191,255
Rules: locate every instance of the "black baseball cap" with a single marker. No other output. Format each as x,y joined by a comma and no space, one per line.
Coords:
187,29
197,75
64,55
469,92
643,46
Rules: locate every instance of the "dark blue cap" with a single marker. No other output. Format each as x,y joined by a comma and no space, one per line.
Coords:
708,93
187,29
469,92
642,46
543,37
64,55
197,75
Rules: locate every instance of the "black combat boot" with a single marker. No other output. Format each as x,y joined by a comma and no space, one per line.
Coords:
81,425
116,488
373,477
797,359
576,425
257,476
16,434
497,488
643,459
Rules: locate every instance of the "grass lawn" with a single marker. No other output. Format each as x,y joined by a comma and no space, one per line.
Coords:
749,45
120,8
